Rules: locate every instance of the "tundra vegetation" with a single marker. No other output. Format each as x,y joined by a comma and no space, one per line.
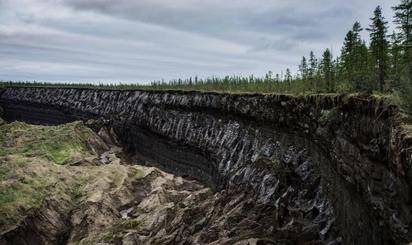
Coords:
32,159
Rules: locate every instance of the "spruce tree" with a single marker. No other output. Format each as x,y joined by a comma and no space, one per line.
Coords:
354,59
303,69
347,57
338,73
288,76
277,78
312,70
327,71
364,69
312,64
356,29
379,47
403,18
395,60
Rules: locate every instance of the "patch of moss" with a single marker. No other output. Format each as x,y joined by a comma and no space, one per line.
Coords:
136,173
56,143
29,167
18,197
60,153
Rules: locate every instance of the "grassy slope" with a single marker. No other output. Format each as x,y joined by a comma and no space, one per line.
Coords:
29,165
53,143
32,168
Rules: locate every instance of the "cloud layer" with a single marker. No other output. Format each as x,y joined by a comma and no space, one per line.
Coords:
146,40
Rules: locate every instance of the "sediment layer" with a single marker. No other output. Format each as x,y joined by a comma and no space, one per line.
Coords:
341,163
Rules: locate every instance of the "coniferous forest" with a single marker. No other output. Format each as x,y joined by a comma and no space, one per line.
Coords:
381,66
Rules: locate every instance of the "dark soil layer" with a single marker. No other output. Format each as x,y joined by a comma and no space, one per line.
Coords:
316,169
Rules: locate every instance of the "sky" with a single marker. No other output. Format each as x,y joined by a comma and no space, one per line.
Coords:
139,41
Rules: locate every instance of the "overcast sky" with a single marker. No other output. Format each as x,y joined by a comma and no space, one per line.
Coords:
145,40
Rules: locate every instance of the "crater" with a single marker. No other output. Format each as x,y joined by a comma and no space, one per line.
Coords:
256,169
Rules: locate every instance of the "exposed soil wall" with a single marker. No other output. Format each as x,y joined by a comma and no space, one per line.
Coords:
343,159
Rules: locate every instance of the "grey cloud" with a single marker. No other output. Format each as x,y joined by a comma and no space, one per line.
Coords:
293,20
139,41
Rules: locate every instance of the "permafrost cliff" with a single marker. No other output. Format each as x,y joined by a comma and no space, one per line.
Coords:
323,169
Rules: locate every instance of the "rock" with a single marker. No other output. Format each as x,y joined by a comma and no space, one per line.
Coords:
97,145
108,136
46,226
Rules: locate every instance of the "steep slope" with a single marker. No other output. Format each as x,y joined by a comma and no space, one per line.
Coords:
334,165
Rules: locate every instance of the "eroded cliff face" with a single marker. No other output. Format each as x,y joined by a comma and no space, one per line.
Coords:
335,168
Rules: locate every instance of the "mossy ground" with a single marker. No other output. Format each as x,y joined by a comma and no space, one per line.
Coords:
32,168
54,143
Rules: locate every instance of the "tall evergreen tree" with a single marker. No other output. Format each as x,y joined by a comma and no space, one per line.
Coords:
268,76
303,69
312,70
327,71
395,60
379,47
364,69
312,64
356,29
347,55
337,70
354,59
288,76
403,18
277,78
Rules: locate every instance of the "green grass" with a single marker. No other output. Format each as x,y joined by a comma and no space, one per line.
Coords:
19,198
56,143
30,159
60,153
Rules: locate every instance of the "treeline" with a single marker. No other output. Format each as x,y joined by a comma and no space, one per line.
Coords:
384,65
380,66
